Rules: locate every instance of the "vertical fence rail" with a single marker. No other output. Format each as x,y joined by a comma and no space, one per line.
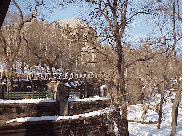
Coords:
23,91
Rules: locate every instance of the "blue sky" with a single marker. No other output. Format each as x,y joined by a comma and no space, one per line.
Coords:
71,11
74,10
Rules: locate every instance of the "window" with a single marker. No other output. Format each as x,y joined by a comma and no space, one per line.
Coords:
84,38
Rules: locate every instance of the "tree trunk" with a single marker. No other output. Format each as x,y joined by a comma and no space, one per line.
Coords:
4,4
161,106
146,107
45,68
176,103
9,77
178,94
122,120
23,67
50,65
174,116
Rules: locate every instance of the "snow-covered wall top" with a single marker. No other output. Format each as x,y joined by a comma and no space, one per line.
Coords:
95,98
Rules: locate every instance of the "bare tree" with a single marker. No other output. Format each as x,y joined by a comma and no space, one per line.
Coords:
169,22
11,42
114,17
44,42
23,55
56,44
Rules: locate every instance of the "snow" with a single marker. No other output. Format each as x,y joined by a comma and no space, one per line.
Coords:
26,101
67,84
94,113
103,86
95,98
138,129
26,79
115,129
3,83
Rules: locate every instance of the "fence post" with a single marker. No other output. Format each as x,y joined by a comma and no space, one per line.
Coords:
32,87
1,91
52,87
85,87
62,99
60,94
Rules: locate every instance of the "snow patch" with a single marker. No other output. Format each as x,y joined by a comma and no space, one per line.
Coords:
27,101
94,113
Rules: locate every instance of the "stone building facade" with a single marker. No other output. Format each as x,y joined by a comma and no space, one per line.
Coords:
81,39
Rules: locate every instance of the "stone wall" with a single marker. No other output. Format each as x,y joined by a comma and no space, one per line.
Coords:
81,107
15,110
10,111
90,126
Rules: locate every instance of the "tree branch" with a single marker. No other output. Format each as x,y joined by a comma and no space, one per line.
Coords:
144,59
21,14
142,12
55,59
123,15
107,36
31,49
3,40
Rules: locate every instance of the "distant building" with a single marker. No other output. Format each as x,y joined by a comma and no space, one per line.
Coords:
88,57
82,39
70,35
79,31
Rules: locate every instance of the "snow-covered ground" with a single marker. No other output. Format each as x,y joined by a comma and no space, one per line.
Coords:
137,129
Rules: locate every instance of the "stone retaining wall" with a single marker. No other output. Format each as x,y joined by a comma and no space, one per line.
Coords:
10,111
90,126
81,107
